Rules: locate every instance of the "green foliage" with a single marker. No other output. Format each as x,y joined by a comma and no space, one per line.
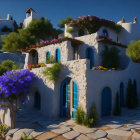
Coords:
110,57
133,51
6,29
70,30
7,65
41,29
81,32
117,110
52,73
50,60
3,131
56,32
80,116
92,24
37,29
25,137
131,96
15,41
64,21
88,120
15,26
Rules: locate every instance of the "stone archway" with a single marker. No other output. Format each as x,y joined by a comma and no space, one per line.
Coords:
33,57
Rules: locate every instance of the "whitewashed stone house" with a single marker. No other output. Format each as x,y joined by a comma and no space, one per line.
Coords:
78,84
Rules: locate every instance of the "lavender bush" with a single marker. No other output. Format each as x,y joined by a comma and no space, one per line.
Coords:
14,89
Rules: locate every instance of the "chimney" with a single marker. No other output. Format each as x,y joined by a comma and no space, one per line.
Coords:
8,17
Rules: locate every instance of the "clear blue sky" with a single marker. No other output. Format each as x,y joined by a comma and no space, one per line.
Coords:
55,10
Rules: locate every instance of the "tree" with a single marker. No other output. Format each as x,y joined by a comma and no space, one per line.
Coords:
64,21
15,26
131,96
133,51
117,110
41,29
16,41
7,65
14,89
110,57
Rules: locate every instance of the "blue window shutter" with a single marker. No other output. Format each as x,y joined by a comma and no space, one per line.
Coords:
58,55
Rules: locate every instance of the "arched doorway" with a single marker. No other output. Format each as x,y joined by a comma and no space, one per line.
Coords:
33,57
69,98
122,95
58,55
106,102
37,101
90,56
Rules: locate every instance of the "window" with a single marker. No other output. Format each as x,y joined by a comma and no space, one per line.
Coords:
90,56
48,55
58,55
105,33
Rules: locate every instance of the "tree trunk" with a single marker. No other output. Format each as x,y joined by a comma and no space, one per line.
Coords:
13,119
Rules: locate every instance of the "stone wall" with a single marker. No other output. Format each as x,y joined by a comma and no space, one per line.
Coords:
17,58
50,92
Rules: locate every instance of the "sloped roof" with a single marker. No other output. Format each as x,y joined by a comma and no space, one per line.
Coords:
29,10
74,42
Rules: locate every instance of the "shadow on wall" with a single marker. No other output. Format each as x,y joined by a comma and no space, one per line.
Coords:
43,105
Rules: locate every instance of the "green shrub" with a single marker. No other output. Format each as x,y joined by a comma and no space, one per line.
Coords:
117,110
6,29
133,51
80,116
24,137
110,57
3,131
50,60
64,21
52,73
7,65
131,96
83,118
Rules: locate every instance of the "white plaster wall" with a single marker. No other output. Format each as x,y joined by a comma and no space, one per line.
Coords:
27,20
97,80
74,34
111,33
129,32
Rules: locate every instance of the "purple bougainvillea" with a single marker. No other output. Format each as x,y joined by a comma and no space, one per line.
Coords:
16,83
14,88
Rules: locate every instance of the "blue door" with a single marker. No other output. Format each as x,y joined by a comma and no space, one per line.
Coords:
48,55
121,95
106,101
75,99
65,98
37,101
90,56
69,94
58,55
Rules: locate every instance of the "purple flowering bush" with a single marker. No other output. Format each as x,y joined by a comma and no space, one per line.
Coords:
14,89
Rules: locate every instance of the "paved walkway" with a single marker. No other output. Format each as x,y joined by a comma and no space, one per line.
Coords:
124,127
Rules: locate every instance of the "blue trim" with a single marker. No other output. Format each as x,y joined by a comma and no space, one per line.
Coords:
65,87
58,55
106,101
90,56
